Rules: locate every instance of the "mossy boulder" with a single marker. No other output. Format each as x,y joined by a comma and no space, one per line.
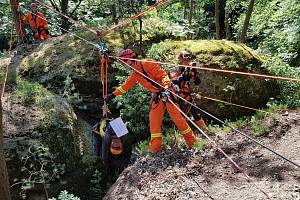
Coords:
221,54
60,58
44,139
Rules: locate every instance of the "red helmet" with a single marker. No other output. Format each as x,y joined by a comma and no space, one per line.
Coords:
184,56
33,6
127,53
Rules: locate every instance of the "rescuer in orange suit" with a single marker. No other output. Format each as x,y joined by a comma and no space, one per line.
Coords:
182,78
37,22
159,103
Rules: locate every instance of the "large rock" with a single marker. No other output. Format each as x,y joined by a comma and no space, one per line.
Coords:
53,61
221,54
43,138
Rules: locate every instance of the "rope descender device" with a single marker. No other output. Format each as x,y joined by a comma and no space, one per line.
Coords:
103,49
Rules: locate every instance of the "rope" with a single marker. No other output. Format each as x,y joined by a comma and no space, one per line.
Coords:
186,66
127,21
202,132
236,130
219,120
221,151
69,18
217,70
106,80
102,33
88,42
102,75
232,104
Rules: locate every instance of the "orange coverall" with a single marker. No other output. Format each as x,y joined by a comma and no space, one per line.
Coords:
182,78
38,24
157,109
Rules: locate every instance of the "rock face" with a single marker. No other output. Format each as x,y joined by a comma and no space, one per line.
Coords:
43,138
220,54
68,57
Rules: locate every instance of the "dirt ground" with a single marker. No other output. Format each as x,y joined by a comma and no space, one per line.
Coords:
192,174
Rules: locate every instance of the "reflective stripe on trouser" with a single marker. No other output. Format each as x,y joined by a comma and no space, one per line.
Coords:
156,115
186,131
155,142
156,135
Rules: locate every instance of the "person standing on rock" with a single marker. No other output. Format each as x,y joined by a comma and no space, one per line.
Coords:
182,78
160,99
37,23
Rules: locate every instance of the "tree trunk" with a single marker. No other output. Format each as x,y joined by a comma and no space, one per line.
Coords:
114,11
247,20
141,33
4,183
217,19
14,4
64,10
191,5
227,24
186,3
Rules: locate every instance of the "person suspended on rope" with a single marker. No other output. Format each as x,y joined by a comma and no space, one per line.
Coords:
37,23
159,102
182,78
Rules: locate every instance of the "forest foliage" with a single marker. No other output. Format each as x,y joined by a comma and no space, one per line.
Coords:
274,32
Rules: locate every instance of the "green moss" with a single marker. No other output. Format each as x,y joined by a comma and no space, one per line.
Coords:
222,53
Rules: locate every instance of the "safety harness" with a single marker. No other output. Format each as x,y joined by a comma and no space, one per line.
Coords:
105,140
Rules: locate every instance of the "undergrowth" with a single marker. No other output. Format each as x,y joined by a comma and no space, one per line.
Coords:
171,140
254,122
30,94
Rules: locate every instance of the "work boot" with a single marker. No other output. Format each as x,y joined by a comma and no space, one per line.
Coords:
201,123
155,145
190,139
116,147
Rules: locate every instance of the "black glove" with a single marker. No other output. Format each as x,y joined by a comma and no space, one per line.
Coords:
195,76
165,95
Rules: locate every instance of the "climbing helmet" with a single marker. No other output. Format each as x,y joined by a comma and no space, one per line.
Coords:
184,56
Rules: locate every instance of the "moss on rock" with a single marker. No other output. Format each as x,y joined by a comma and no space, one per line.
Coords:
222,54
42,133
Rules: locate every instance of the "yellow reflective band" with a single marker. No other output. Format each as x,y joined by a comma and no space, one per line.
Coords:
121,89
101,129
165,79
185,131
156,135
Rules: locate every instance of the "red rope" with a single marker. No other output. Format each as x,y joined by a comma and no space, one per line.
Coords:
102,75
80,24
102,33
233,104
106,81
217,70
127,21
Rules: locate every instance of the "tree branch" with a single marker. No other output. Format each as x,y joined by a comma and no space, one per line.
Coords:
54,5
76,7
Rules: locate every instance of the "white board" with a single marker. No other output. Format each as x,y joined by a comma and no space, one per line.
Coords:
119,127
